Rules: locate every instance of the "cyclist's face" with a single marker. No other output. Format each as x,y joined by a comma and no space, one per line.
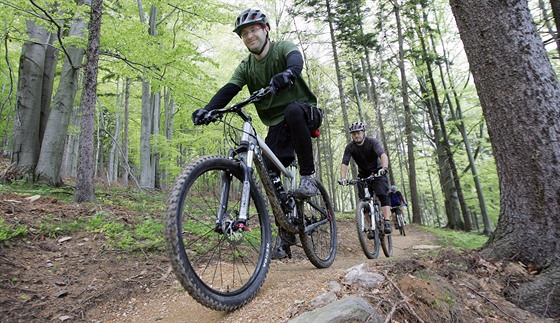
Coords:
358,137
253,37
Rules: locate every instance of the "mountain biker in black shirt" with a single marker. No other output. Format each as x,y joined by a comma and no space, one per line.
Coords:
366,153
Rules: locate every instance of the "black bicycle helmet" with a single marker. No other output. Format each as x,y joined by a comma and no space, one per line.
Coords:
357,126
250,17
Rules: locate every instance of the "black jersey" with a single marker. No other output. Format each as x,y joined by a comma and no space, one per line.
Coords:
367,156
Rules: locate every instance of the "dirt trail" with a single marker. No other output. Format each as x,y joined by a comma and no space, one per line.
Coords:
81,277
289,283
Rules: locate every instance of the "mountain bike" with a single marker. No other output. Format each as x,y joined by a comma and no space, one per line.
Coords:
218,230
399,219
370,222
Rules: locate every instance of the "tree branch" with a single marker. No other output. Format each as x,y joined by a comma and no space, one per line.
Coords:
131,63
405,299
11,72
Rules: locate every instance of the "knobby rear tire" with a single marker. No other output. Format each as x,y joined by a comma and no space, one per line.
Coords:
386,240
319,244
369,246
222,271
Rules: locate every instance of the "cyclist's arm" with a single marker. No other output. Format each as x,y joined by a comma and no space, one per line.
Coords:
343,170
223,96
378,149
384,161
294,62
345,161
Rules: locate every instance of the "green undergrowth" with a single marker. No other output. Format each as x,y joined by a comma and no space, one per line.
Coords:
461,239
142,230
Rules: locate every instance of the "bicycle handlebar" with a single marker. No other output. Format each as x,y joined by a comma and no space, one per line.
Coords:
215,115
361,180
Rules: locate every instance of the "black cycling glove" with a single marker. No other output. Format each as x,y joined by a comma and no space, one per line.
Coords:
282,81
198,116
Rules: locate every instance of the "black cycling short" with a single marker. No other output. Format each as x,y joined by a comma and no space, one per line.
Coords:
379,185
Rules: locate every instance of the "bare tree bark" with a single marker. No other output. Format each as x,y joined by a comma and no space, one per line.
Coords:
520,97
126,168
52,149
29,99
414,199
84,183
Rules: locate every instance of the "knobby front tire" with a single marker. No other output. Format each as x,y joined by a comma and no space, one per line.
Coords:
369,239
222,271
319,242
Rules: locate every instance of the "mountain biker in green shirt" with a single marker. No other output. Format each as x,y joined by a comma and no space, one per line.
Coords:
290,109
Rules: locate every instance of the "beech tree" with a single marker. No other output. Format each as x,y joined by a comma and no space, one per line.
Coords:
520,97
52,147
33,95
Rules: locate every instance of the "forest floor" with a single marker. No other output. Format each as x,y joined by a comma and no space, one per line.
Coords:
79,278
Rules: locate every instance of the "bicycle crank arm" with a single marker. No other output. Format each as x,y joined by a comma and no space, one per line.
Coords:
312,227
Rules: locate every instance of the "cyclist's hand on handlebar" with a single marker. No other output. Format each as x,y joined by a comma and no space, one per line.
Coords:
198,116
382,171
343,181
282,81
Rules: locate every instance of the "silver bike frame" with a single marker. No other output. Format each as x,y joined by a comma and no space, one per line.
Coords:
374,210
254,143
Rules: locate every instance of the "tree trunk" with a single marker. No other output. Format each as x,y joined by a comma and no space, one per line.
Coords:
520,97
29,98
71,150
148,163
447,184
84,182
146,178
114,153
414,199
458,120
445,138
154,157
49,71
126,170
52,148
